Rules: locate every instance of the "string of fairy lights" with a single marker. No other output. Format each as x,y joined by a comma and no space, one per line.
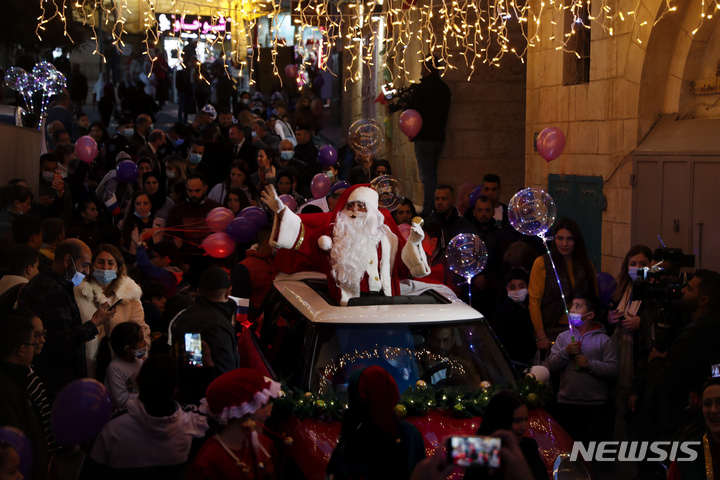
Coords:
382,34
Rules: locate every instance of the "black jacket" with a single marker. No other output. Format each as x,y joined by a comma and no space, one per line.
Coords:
431,99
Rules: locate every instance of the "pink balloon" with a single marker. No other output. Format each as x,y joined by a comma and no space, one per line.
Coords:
289,201
550,143
404,230
410,123
291,71
320,185
219,218
219,245
86,149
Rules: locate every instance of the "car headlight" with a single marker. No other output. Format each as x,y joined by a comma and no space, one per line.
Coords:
566,469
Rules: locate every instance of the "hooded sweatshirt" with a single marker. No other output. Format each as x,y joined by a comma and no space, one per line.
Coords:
584,387
137,440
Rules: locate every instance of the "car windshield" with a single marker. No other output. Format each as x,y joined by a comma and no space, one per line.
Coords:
444,354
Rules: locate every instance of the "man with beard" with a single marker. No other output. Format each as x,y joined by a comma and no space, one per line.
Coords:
355,248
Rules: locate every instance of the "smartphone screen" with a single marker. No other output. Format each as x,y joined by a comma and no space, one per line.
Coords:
193,348
715,370
474,451
57,175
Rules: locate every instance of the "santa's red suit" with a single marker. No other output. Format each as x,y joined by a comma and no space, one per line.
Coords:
312,237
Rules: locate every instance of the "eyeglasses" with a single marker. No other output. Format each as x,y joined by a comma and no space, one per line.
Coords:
40,334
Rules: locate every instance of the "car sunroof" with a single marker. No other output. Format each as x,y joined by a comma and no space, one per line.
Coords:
428,297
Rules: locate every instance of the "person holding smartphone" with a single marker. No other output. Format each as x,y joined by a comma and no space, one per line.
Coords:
54,199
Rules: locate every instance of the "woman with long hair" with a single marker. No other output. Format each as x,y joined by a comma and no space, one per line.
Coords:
286,182
575,273
144,165
236,201
239,177
154,185
139,217
109,283
176,168
268,166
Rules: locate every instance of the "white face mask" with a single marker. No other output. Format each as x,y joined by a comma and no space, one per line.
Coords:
518,296
633,273
48,176
171,175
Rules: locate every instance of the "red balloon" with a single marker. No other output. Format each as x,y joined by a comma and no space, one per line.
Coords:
219,245
410,123
289,201
291,71
219,218
550,143
320,185
86,149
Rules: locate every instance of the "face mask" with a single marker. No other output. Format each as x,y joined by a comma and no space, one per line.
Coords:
171,175
78,277
287,156
194,158
179,142
128,132
246,101
518,296
330,175
48,176
254,134
141,216
633,273
105,276
140,353
576,319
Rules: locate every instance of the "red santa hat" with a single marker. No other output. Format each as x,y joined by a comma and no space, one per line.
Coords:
237,393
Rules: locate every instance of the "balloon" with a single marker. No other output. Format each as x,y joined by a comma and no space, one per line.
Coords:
405,230
389,191
21,444
256,215
289,201
15,78
319,82
127,171
606,287
474,196
410,123
550,143
367,137
466,255
219,218
291,71
45,73
81,410
320,185
532,211
86,148
242,230
327,155
219,245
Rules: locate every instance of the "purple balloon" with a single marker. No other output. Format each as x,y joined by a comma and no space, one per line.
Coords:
256,215
21,443
474,196
289,201
606,287
219,218
550,143
127,171
242,230
81,410
327,155
320,185
319,82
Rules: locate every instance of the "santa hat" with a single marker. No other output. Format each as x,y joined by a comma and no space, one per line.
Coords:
239,392
366,195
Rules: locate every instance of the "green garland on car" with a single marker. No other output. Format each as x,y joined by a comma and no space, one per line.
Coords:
417,401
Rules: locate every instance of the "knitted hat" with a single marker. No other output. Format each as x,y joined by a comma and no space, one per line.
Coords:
214,278
122,156
365,194
239,392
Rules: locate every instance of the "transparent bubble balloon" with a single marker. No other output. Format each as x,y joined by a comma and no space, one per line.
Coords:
45,73
366,137
15,78
532,211
389,191
466,255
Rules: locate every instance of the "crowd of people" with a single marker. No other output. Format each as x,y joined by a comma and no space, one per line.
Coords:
103,275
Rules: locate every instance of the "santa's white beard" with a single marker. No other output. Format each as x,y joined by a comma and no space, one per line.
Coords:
354,244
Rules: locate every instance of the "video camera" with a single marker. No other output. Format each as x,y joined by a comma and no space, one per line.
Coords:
664,281
402,95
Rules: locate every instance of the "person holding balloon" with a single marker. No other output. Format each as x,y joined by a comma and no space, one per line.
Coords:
139,217
287,181
546,291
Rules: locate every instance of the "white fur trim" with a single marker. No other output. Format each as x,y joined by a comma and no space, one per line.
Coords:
367,195
287,230
414,258
389,244
325,243
238,411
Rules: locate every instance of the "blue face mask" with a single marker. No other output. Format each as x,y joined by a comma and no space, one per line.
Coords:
105,276
78,277
576,319
194,158
254,134
179,142
128,132
287,156
140,216
140,353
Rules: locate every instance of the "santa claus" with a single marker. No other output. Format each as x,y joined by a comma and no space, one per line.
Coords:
352,244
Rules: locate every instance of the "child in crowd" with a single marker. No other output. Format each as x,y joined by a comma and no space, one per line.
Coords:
586,360
512,323
9,463
128,347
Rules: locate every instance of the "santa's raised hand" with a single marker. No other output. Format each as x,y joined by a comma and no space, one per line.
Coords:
270,198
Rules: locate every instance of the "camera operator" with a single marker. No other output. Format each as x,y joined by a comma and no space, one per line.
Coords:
431,99
679,364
